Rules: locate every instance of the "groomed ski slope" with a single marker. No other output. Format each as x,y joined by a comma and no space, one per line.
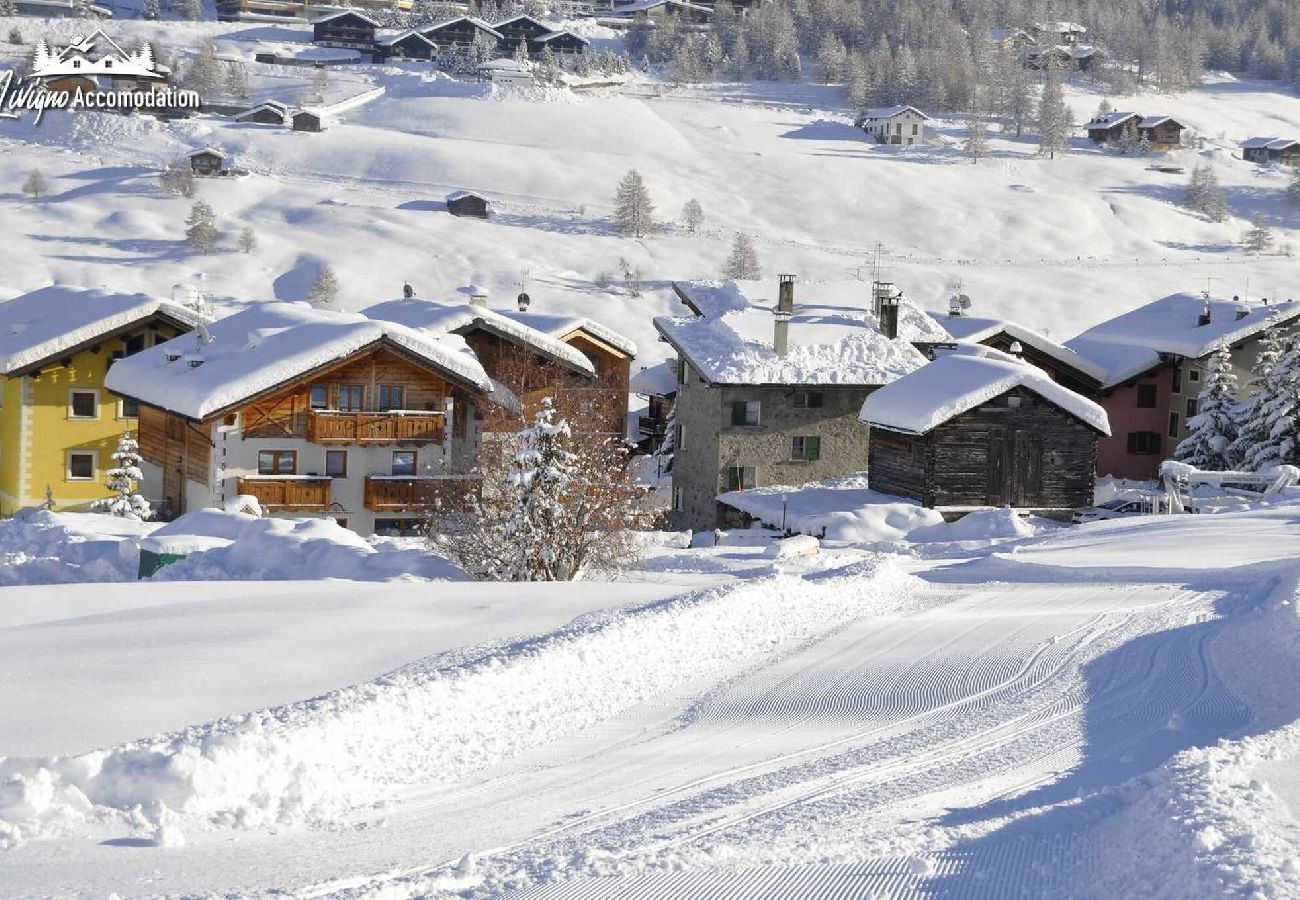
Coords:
980,727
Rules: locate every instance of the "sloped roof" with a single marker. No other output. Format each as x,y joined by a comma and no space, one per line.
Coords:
461,195
346,12
473,20
888,112
560,326
47,323
644,5
1110,120
954,383
206,151
397,38
1130,344
1153,121
267,345
830,341
552,35
1269,143
656,381
541,23
972,329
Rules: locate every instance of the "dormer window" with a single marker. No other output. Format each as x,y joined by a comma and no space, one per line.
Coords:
108,64
76,64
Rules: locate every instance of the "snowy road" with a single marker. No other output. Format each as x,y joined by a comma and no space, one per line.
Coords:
890,739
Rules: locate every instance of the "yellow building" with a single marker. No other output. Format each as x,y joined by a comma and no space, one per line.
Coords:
59,426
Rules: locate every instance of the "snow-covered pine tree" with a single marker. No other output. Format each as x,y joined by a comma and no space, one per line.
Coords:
124,479
204,72
544,469
1205,196
152,9
247,239
236,80
320,83
177,178
201,228
1210,444
692,215
833,58
1019,100
633,211
35,185
1277,415
1055,120
1259,238
324,291
1252,429
976,142
743,263
1104,108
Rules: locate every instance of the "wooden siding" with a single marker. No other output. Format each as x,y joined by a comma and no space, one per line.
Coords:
181,448
288,493
373,428
419,494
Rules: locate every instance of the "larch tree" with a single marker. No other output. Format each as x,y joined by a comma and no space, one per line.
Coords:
742,264
201,228
633,210
1252,428
124,479
1211,444
1055,121
1205,196
35,186
324,291
692,215
177,178
1277,414
247,239
976,142
1259,239
1019,100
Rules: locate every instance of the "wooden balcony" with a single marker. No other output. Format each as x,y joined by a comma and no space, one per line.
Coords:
652,425
290,493
386,493
329,427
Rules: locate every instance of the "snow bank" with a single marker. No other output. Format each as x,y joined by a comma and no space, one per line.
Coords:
981,525
313,760
842,509
39,547
799,545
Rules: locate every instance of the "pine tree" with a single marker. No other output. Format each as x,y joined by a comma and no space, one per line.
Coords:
237,80
692,215
177,178
201,228
1293,189
247,239
320,83
833,58
1055,120
36,186
152,9
1104,108
324,291
123,478
1205,196
15,36
204,73
1277,414
1252,429
1212,441
544,469
976,143
742,264
1260,238
633,211
1019,100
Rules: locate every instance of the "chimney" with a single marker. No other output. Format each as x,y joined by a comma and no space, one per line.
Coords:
1242,312
782,314
523,300
1204,318
1016,348
885,305
407,291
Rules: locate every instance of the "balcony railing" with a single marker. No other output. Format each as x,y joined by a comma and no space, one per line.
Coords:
330,427
288,493
391,493
652,425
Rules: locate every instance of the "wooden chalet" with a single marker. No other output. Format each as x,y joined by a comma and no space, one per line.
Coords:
1064,366
269,112
467,203
562,42
307,120
207,161
661,10
349,29
461,33
973,431
1271,150
521,29
1113,127
408,45
1161,132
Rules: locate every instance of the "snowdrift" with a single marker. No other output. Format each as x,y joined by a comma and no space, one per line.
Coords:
314,760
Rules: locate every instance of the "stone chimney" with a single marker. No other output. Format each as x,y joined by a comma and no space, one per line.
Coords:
523,301
1204,318
784,311
407,291
884,303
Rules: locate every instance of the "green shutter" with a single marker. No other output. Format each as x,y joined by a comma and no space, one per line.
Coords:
815,401
738,412
814,447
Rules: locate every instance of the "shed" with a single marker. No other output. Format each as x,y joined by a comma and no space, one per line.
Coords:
983,429
1161,132
1268,149
308,120
206,161
1113,127
467,203
270,112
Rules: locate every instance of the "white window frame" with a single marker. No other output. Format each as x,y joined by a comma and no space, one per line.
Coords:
94,465
94,392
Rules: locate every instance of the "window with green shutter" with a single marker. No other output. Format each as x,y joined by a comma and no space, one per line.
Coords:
745,412
806,448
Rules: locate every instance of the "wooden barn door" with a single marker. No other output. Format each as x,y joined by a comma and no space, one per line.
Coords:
1000,465
1027,488
174,489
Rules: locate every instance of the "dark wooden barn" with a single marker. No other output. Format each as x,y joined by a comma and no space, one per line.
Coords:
268,113
1161,132
410,45
1112,127
307,120
207,161
521,29
348,28
460,33
970,430
467,203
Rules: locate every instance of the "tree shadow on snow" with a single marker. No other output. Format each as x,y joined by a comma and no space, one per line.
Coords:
295,284
144,249
555,225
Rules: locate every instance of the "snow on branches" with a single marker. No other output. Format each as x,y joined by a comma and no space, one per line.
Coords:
123,479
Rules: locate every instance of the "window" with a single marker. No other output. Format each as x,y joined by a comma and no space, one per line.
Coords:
128,408
1143,442
390,397
806,448
678,499
83,405
915,129
351,397
134,344
808,400
741,478
681,371
1014,402
745,412
1146,396
1178,380
1194,375
336,463
1192,405
403,462
277,462
1173,424
320,396
81,466
680,442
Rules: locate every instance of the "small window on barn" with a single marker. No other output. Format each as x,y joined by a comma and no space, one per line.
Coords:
741,478
745,413
1173,424
808,400
1194,375
806,449
1014,402
1143,443
1146,396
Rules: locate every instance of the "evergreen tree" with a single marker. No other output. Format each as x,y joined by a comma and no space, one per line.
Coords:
1252,429
1055,121
1104,108
324,291
544,469
1293,189
976,143
1205,196
833,58
204,72
692,215
247,239
1260,238
15,36
1019,100
152,9
1211,443
1277,414
742,264
123,479
633,211
35,185
177,178
201,228
236,81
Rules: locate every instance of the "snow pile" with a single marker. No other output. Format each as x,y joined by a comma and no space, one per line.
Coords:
981,525
314,760
842,509
799,545
39,547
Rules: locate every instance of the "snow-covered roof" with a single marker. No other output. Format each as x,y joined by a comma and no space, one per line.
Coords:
461,195
503,65
49,322
397,38
1269,143
888,112
1132,343
540,23
1154,121
552,35
957,382
1060,27
345,12
206,151
1111,119
437,318
972,329
473,20
645,5
655,381
268,344
831,341
561,326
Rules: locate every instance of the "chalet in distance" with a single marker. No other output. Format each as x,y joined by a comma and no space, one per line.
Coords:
1160,132
521,29
468,203
663,10
460,33
268,112
903,125
347,29
980,428
207,161
407,45
307,120
1271,150
1154,359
